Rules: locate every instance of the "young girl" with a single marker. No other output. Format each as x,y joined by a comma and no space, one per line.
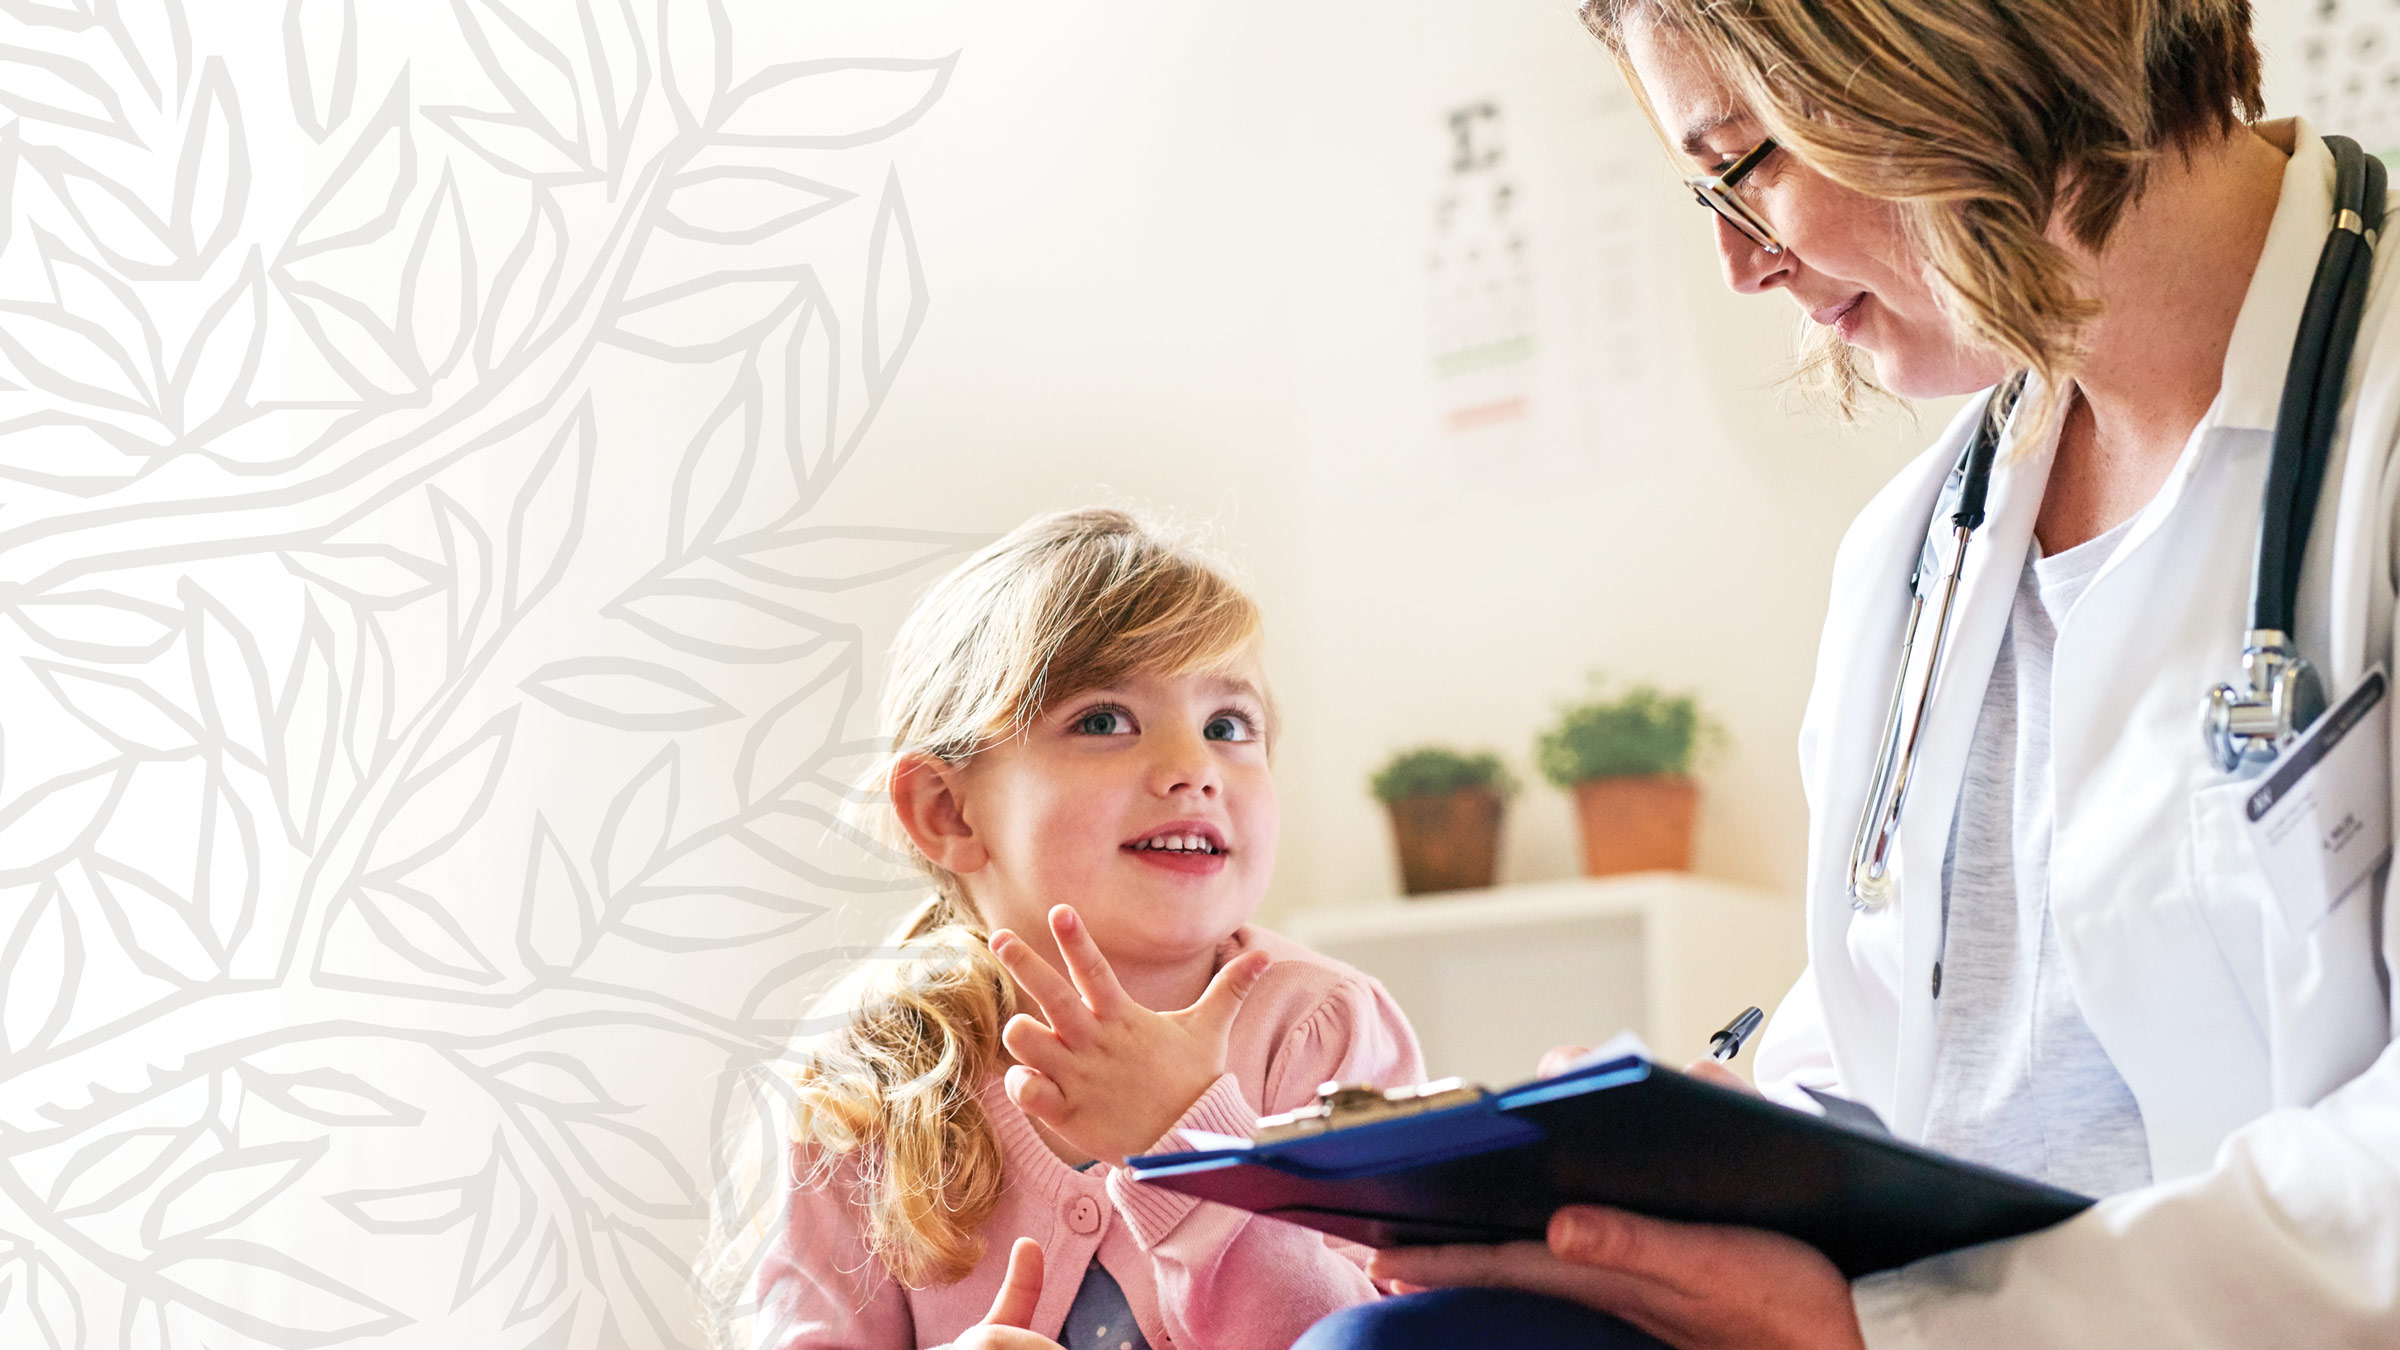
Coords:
1080,730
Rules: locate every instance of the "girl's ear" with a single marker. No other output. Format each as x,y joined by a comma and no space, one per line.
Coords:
927,796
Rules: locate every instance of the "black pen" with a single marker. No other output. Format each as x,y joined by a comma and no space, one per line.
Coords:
1728,1043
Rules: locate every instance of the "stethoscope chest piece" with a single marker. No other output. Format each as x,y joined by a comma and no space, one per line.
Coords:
2281,697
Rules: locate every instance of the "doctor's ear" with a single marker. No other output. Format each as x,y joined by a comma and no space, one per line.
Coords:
927,795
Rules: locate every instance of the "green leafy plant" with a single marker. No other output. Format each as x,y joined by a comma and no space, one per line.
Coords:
1638,732
1434,771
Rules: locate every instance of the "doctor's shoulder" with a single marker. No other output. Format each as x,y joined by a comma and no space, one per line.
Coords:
2372,405
1311,1019
2374,378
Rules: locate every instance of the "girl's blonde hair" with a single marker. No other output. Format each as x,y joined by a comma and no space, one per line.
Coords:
1064,603
1982,120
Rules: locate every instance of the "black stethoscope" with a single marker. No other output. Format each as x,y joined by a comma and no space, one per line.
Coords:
2280,693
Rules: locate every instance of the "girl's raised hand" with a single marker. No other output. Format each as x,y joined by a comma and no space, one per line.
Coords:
1107,1074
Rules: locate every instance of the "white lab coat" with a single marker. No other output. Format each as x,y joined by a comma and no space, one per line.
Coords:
2261,1052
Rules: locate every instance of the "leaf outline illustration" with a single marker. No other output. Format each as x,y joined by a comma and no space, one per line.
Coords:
639,822
46,945
103,113
688,705
320,118
235,1265
557,916
436,806
216,115
271,1169
752,118
546,522
332,1097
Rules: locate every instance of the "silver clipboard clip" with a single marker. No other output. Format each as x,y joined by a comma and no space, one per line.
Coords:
1341,1105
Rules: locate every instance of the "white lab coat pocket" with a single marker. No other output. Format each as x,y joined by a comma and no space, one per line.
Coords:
2314,990
2236,902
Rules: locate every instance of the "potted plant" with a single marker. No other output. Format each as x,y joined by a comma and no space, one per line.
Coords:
1446,808
1628,760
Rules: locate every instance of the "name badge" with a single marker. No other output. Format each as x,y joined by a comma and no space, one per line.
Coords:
2321,820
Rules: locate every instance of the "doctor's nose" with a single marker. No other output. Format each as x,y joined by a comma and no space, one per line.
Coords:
1750,269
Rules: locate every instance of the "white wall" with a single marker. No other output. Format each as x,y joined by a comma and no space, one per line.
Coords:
1180,262
1663,513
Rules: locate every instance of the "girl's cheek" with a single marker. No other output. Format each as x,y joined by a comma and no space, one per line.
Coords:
1266,814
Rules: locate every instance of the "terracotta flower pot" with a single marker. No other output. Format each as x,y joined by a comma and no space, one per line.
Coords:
1639,824
1448,843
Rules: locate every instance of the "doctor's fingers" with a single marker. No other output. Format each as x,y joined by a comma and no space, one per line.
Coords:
1693,1257
1710,1070
1706,1285
1531,1267
1061,1006
1508,1265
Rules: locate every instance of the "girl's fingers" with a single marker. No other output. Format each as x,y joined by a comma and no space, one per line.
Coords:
1036,1095
1062,1007
1556,1059
1020,1289
1213,1014
1029,1042
1090,969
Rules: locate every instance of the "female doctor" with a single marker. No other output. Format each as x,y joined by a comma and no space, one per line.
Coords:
2069,959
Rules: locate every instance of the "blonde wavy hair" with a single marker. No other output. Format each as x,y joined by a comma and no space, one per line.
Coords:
1065,603
1982,121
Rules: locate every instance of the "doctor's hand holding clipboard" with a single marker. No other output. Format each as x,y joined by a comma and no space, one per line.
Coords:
1653,1272
2098,759
1671,1277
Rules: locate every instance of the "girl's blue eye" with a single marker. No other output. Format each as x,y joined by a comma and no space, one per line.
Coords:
1104,722
1228,727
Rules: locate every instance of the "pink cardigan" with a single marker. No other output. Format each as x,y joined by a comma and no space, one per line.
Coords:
1198,1276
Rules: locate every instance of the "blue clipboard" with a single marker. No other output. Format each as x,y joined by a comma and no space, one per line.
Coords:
1629,1134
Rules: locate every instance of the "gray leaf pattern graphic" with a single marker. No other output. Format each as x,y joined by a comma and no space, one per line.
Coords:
432,728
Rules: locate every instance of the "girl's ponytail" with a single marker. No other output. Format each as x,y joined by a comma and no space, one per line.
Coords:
895,1089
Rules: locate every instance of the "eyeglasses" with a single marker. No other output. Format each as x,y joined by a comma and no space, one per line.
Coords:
1715,191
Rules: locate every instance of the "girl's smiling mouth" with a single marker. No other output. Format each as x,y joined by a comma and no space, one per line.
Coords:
1189,846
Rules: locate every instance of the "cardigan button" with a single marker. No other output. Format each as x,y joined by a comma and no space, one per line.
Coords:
1084,1216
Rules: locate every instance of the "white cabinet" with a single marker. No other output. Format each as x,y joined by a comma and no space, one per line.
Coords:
1493,978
